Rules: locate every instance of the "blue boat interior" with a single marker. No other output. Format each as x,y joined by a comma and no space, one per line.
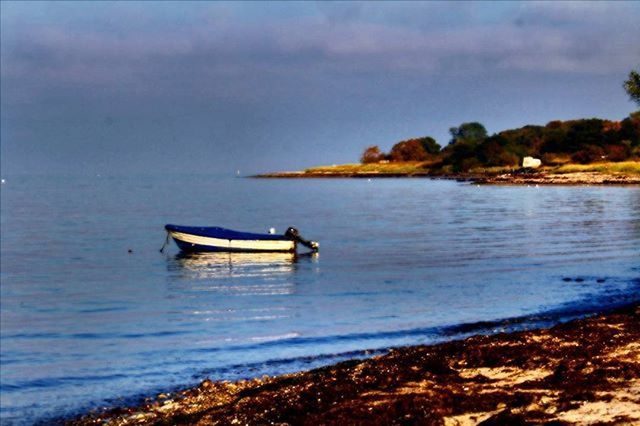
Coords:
223,233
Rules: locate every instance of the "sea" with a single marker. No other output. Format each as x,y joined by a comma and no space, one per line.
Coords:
93,315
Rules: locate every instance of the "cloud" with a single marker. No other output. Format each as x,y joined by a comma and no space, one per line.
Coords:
220,44
579,14
244,71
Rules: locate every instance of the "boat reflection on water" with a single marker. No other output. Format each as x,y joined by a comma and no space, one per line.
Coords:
232,288
214,265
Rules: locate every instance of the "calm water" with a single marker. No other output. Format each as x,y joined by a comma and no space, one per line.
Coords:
402,261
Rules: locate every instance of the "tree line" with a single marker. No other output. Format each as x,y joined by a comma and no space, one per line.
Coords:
582,141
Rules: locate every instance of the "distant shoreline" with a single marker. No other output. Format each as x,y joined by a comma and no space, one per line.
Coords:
581,371
627,173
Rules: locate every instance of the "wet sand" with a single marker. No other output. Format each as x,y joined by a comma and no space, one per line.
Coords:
582,372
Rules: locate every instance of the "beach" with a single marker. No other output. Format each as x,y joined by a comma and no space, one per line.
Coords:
580,372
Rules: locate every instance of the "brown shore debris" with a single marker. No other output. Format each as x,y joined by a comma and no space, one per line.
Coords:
585,371
576,178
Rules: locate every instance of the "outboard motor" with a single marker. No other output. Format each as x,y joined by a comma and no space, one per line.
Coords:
295,236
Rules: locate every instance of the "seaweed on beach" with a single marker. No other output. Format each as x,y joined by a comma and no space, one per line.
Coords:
582,371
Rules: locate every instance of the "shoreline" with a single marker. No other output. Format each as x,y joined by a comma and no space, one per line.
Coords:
575,179
581,371
594,174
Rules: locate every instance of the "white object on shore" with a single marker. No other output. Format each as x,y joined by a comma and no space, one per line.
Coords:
531,163
272,230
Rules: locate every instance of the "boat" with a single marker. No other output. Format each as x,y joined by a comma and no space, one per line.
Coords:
216,239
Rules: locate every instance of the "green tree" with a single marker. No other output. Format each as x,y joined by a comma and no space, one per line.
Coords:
630,129
583,133
430,145
462,151
473,133
632,86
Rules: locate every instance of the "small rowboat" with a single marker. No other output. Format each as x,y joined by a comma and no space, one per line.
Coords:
211,239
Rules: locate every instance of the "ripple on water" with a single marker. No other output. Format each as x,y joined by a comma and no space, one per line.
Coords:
402,262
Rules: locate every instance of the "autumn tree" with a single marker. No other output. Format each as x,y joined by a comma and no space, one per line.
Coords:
418,149
409,150
372,155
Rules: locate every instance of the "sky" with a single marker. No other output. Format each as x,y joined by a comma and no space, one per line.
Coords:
216,87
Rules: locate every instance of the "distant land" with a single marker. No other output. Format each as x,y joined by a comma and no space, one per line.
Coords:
585,151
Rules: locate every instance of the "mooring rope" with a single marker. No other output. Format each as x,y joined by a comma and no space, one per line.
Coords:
166,241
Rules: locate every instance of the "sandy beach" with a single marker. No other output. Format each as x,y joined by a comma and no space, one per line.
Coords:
585,371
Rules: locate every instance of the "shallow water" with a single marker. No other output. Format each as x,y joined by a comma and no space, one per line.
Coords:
402,261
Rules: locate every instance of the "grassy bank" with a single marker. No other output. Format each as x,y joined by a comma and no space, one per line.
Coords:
406,168
417,167
624,167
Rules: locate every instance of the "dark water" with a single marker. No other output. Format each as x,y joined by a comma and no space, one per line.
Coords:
403,261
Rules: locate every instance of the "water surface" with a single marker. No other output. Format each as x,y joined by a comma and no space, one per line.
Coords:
402,261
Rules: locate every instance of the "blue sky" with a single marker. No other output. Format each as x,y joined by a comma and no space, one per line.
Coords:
103,87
